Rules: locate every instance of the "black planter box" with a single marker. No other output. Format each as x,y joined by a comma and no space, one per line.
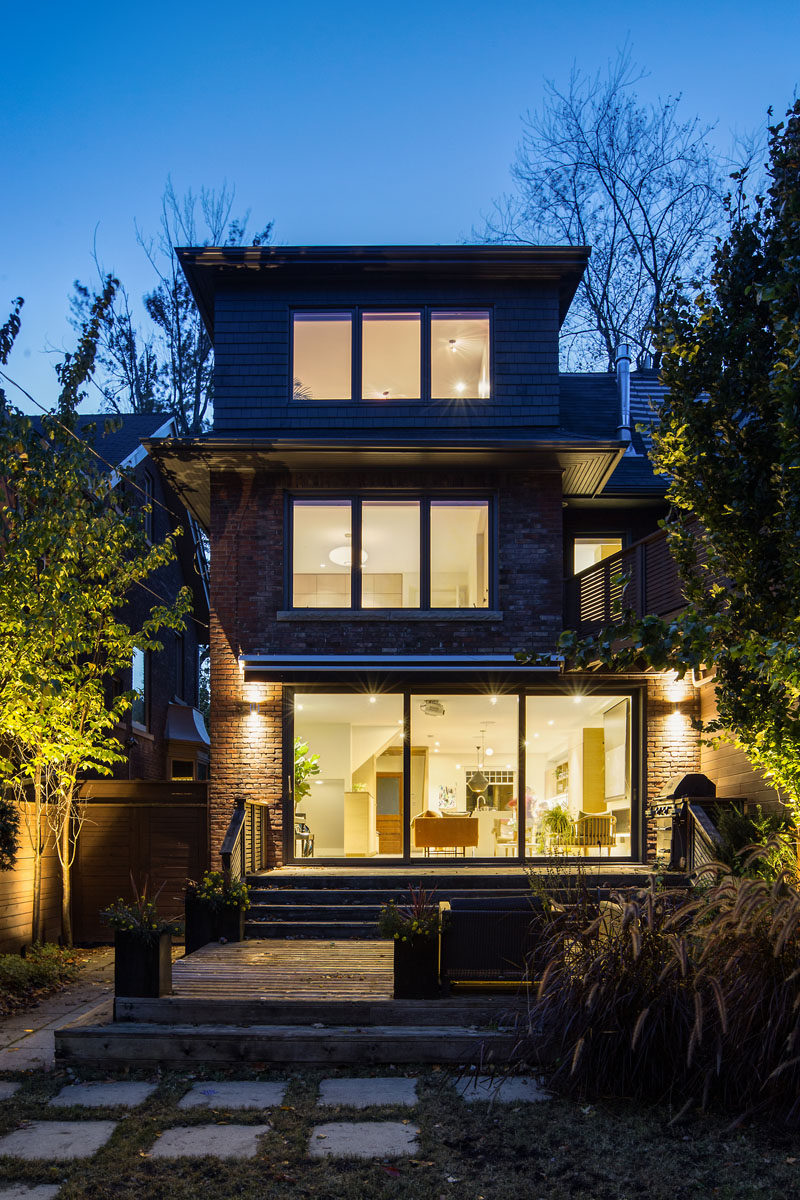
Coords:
142,966
204,924
416,969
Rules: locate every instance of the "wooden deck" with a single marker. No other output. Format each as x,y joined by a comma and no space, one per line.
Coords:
286,971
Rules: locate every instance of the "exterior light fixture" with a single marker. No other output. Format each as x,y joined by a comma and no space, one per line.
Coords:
254,709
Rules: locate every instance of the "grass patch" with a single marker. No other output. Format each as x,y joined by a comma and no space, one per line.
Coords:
43,970
558,1150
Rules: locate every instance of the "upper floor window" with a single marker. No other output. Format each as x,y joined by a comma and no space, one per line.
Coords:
426,353
368,552
147,505
590,549
139,684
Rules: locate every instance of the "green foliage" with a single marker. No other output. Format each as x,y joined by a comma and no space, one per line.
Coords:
695,997
769,835
306,765
9,833
215,893
73,549
416,920
43,969
139,915
728,441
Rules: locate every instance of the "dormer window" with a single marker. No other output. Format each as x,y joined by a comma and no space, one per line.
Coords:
391,355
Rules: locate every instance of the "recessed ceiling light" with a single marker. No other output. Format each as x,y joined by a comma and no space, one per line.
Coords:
489,751
373,699
493,699
551,722
299,707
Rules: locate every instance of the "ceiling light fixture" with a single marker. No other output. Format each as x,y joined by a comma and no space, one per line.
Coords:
452,344
343,555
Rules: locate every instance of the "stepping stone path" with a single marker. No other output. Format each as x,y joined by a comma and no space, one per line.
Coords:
368,1093
103,1095
24,1191
508,1089
217,1141
234,1095
6,1092
363,1139
57,1140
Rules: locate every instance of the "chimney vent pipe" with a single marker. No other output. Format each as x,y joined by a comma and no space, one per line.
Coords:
623,365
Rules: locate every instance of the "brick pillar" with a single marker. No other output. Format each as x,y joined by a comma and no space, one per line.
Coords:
672,745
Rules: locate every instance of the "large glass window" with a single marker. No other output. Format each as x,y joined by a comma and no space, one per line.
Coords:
322,367
322,537
139,708
390,356
578,775
460,355
459,554
390,554
464,795
390,534
351,808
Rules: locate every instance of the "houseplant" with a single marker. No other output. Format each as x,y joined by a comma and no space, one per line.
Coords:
556,827
215,910
414,930
142,945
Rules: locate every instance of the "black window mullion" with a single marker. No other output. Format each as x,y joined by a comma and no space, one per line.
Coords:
356,364
425,553
522,798
425,351
406,845
355,566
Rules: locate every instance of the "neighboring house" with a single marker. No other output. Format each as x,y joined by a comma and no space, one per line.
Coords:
398,490
150,817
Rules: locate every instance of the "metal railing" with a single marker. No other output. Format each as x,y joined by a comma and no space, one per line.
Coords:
640,579
244,847
702,839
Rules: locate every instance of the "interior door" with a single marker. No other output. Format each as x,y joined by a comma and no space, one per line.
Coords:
389,820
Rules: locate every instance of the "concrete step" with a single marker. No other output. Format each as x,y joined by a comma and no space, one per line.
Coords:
331,930
469,1012
150,1045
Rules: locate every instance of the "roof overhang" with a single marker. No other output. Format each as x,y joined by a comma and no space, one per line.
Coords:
187,463
208,268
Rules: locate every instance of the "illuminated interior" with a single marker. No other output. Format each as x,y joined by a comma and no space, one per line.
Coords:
590,550
321,537
390,356
322,356
464,786
460,355
459,554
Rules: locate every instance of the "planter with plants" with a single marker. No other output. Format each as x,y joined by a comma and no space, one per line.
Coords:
414,931
142,945
215,910
556,828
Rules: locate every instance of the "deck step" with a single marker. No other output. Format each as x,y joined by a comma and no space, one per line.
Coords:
151,1045
331,930
469,1012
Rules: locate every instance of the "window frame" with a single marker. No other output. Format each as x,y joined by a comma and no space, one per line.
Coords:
356,498
357,312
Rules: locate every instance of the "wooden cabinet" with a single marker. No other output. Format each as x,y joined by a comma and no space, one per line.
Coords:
360,828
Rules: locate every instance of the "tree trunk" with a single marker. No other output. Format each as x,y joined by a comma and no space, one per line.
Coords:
37,917
66,879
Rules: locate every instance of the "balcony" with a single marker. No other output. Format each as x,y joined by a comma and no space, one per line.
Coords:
640,579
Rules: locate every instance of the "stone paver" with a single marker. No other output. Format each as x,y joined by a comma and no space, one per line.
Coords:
219,1141
233,1094
365,1093
57,1140
508,1089
24,1191
363,1139
103,1095
7,1089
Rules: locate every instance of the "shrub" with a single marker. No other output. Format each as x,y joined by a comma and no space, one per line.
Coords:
217,894
410,922
695,998
742,833
43,969
139,915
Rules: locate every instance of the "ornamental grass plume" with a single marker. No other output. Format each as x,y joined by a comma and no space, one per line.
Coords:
692,997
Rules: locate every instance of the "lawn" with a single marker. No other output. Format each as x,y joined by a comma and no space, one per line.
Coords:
552,1150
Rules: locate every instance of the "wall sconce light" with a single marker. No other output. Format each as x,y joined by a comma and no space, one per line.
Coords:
255,708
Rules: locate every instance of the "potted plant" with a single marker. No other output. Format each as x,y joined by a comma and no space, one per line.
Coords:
556,826
215,909
142,945
414,930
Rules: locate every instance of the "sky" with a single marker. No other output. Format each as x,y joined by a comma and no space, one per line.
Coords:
357,123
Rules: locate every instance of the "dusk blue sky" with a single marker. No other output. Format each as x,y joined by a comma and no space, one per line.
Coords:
343,123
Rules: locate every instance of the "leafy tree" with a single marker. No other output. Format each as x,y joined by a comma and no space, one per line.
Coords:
636,182
72,549
728,440
167,366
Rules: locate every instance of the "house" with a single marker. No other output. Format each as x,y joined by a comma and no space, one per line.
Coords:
149,818
401,491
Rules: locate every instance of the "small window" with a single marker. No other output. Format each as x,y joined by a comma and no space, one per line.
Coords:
459,554
182,768
321,553
147,502
391,356
139,713
590,550
460,355
323,355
